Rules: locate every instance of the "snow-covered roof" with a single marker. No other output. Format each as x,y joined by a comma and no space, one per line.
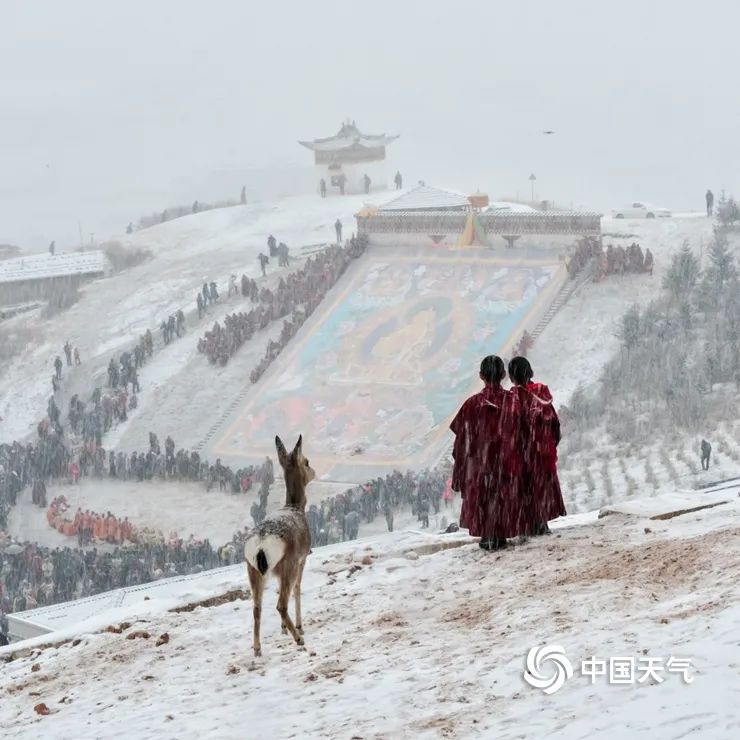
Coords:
508,207
348,137
424,197
43,266
129,600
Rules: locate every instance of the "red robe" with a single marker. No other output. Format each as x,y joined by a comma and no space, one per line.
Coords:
488,464
545,500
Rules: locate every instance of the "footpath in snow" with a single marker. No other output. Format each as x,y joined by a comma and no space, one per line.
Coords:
422,636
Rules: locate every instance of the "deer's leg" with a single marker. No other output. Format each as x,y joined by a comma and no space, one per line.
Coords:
280,572
297,595
257,585
282,607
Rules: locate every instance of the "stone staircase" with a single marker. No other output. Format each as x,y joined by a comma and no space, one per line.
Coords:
568,289
228,412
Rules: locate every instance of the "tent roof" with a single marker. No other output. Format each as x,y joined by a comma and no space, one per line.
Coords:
424,197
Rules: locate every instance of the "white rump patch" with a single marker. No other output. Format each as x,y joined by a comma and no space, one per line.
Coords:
272,545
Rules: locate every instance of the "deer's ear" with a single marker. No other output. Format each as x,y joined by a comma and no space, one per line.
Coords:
281,451
299,445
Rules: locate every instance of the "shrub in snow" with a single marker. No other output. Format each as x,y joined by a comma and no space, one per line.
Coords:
122,258
683,274
650,477
728,211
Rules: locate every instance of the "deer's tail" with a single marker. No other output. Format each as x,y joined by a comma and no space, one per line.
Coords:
264,552
262,564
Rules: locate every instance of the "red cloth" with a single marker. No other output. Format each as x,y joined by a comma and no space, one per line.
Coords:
488,466
544,496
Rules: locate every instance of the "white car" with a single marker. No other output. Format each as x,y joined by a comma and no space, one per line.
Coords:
641,210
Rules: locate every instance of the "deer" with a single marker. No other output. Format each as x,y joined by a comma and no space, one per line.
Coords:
280,544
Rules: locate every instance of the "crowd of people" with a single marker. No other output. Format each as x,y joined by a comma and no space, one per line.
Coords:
338,518
156,464
90,420
587,248
297,295
23,582
88,525
220,342
619,260
23,465
610,261
32,575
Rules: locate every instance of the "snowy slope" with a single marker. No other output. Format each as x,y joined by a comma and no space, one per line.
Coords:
582,337
113,312
406,639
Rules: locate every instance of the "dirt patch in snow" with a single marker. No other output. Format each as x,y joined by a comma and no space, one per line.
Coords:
681,512
235,595
667,563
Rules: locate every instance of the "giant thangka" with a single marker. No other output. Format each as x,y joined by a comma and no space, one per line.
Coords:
385,362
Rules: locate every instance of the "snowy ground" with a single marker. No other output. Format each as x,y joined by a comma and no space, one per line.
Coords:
406,639
113,312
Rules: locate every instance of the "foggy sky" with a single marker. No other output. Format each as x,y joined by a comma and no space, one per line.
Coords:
112,110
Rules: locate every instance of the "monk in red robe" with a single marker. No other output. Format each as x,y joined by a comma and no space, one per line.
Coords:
488,460
542,435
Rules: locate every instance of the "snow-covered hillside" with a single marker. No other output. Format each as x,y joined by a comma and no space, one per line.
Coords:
113,312
421,636
582,337
183,396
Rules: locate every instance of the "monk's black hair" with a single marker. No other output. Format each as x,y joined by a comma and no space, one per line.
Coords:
492,369
520,371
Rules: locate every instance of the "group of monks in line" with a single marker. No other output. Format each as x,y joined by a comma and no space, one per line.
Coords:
612,261
89,525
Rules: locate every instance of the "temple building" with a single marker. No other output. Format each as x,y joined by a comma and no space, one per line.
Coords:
343,161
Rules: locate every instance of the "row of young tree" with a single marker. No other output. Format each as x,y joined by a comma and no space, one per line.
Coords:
673,352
